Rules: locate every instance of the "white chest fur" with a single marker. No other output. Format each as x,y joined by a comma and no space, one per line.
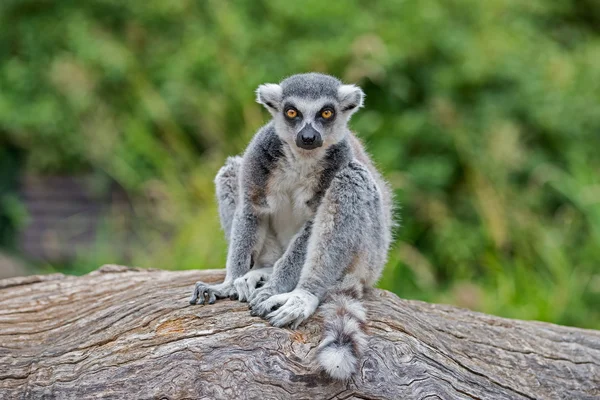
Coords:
289,190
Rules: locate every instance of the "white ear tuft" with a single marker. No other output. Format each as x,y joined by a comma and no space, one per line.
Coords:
269,95
351,98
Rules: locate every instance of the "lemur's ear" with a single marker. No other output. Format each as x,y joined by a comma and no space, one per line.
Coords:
269,95
351,98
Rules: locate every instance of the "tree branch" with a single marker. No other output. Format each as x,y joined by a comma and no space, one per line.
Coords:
129,333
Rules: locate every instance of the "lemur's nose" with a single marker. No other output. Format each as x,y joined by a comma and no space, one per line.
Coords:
308,138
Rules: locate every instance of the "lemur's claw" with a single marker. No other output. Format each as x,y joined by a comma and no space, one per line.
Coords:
202,291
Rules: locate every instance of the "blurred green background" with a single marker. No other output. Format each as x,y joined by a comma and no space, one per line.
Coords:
483,115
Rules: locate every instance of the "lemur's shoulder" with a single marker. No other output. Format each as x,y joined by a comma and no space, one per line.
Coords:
360,153
265,148
360,162
354,181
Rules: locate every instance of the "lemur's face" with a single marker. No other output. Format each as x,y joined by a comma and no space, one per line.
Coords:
310,110
309,122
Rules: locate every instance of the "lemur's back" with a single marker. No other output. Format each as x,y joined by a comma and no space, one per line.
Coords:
363,157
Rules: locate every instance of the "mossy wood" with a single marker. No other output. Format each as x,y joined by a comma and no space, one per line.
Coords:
128,333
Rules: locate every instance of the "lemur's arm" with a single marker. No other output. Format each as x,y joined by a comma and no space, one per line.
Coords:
349,210
245,235
286,271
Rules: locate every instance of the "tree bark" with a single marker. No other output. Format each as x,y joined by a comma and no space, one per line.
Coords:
127,333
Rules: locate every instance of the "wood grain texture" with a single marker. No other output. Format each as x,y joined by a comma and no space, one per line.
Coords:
127,333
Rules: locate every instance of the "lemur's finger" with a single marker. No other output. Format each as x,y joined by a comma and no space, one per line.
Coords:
258,297
252,302
253,286
297,322
212,297
247,288
202,294
281,317
253,299
258,311
265,307
197,290
251,282
194,298
243,292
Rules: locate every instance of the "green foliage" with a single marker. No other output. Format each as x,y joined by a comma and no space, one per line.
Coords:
483,115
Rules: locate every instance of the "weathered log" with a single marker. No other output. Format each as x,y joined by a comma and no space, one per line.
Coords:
128,333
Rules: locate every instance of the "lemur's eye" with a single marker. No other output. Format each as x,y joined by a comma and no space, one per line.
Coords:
291,113
326,114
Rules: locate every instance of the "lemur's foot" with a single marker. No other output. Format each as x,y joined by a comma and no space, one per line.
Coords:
212,292
247,284
258,298
289,308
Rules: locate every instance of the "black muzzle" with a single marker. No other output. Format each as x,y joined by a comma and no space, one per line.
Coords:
308,138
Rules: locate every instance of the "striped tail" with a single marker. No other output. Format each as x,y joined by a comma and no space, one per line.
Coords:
344,337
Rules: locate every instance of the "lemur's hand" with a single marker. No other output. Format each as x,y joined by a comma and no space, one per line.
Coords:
247,285
257,298
213,292
288,308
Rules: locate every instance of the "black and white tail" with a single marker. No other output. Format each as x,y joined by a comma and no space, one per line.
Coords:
344,337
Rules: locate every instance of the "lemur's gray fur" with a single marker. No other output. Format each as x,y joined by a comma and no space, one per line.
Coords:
307,217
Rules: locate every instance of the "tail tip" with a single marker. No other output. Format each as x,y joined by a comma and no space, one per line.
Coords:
338,362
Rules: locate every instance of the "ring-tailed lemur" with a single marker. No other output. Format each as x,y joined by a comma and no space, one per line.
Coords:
307,217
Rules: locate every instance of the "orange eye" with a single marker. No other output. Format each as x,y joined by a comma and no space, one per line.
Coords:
291,113
327,114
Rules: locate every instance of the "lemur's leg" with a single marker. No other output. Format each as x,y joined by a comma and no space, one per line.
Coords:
347,229
247,235
234,217
286,270
227,190
262,269
227,184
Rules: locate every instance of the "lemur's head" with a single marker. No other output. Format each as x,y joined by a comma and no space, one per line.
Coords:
310,110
